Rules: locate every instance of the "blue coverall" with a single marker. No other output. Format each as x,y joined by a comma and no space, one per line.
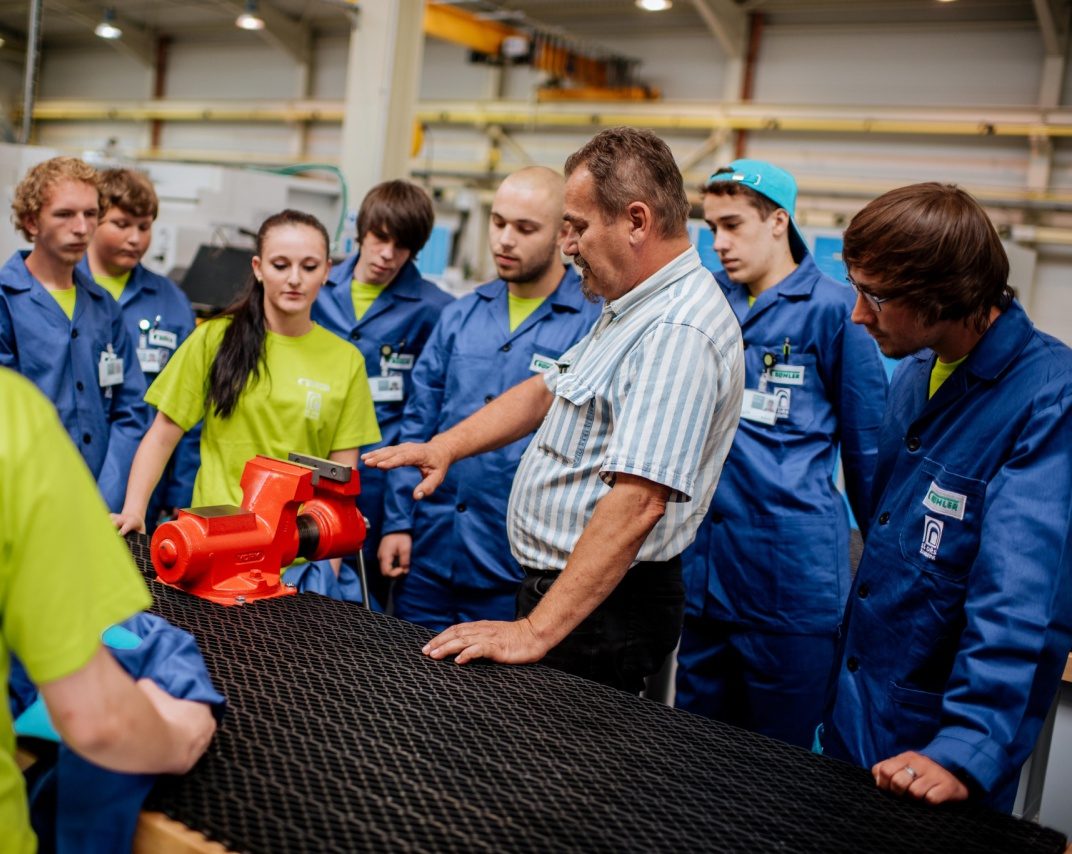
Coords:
959,621
401,319
461,567
768,574
62,357
156,300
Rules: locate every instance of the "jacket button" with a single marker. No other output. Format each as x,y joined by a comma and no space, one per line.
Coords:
488,398
884,518
74,333
716,517
461,508
852,664
863,591
86,438
355,336
506,347
912,443
78,385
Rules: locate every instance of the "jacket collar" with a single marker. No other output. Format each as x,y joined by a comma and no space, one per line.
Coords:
1000,345
137,283
566,296
406,285
17,278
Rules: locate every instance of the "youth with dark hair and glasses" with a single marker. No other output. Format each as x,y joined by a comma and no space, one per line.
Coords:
959,621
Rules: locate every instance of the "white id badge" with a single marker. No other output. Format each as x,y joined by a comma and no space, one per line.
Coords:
163,338
386,389
541,364
758,406
109,369
400,362
787,374
149,358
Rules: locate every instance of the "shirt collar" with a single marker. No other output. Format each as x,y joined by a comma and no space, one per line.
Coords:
681,266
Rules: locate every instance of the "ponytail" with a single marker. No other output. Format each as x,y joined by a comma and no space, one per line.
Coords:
240,358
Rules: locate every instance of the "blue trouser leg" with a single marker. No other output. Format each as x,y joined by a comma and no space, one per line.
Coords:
424,598
768,683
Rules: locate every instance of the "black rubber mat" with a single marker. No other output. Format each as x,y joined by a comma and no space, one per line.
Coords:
341,736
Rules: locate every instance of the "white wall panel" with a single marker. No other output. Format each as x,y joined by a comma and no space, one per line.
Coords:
235,71
93,73
891,65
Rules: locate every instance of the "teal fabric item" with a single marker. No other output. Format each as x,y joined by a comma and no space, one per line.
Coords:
817,744
117,637
35,722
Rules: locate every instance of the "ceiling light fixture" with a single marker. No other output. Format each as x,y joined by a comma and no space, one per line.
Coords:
654,5
249,19
107,28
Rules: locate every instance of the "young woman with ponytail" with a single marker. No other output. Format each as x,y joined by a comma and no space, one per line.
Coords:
265,379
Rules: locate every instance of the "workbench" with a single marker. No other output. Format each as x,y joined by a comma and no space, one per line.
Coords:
341,736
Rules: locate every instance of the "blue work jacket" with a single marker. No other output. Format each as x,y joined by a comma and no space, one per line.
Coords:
77,807
960,618
402,318
62,358
156,299
459,532
773,552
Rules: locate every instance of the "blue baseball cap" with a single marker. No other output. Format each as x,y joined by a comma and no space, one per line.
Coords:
773,183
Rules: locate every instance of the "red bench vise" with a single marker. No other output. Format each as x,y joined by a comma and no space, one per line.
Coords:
304,507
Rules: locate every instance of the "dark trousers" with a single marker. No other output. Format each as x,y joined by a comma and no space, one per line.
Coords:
628,636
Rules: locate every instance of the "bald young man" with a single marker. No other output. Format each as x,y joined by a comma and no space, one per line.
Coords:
451,550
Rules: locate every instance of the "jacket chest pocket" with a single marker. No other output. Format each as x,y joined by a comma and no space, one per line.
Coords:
942,521
568,428
795,383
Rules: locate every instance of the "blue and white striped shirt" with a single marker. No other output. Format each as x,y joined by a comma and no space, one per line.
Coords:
653,390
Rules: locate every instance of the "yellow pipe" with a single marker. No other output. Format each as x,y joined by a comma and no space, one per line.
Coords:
541,117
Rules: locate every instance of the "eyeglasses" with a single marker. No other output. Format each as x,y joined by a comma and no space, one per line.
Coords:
873,301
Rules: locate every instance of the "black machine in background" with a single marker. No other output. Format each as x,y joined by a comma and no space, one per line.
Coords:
341,736
215,277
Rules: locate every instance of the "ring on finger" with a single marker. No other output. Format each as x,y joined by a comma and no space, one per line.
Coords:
910,771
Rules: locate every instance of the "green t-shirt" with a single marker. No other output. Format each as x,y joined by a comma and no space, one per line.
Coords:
65,576
522,307
941,372
363,295
113,284
312,397
66,298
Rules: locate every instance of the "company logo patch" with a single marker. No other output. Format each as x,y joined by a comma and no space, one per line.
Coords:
541,364
947,503
787,374
932,537
783,396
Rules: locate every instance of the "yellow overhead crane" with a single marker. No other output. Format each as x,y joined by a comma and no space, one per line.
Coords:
593,78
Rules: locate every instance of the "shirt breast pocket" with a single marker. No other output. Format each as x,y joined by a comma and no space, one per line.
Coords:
943,521
568,428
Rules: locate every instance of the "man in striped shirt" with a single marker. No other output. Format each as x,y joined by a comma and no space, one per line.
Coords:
635,421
